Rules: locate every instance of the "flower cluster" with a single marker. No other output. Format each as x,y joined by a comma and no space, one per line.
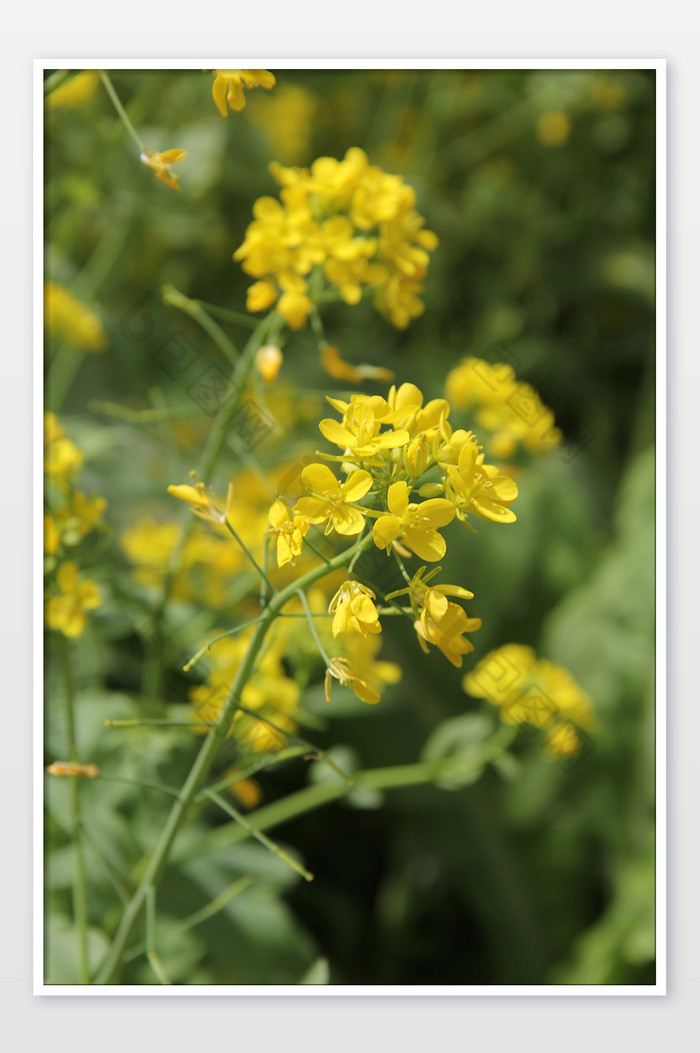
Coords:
70,516
346,224
406,470
535,692
509,409
69,321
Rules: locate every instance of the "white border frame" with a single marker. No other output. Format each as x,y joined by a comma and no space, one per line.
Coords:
657,989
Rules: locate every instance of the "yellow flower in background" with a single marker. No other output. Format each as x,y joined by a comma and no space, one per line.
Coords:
339,369
162,164
289,529
66,611
341,670
69,523
553,129
415,524
332,501
287,119
74,92
480,489
269,695
229,84
354,610
62,458
508,408
534,691
68,320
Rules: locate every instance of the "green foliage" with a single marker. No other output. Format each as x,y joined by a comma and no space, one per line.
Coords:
504,865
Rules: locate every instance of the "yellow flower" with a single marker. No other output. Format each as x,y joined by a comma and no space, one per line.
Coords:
354,610
447,632
268,362
74,92
248,791
69,320
553,129
52,536
203,502
229,84
480,488
162,164
287,118
331,500
295,307
341,670
508,408
339,369
360,432
416,524
289,529
261,295
432,597
355,223
66,612
531,690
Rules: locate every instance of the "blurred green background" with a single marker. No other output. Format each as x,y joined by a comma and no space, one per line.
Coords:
540,186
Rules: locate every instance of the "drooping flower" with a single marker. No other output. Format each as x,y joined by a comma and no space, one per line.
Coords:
162,164
66,611
432,597
341,670
332,501
354,610
229,84
339,369
415,524
447,633
289,529
203,502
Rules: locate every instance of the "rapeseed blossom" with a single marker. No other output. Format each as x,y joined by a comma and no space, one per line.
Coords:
534,691
344,224
510,410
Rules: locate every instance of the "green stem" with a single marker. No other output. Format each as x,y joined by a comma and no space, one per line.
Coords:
174,298
104,77
250,556
203,762
80,913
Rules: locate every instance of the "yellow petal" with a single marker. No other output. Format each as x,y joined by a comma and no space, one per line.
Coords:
219,93
429,545
385,529
437,511
397,498
357,485
319,478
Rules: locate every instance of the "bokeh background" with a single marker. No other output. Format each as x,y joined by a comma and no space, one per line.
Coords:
540,186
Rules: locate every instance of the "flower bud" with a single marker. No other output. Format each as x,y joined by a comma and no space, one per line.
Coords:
431,490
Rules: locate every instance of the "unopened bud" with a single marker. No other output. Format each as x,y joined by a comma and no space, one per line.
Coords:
431,490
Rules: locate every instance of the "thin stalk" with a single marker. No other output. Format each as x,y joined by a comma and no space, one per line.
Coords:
80,912
317,638
239,818
195,310
250,556
104,77
212,908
